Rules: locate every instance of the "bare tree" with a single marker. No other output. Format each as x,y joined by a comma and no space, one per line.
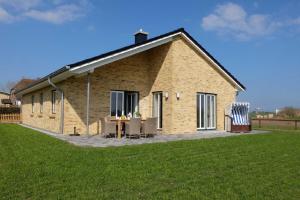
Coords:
7,86
288,112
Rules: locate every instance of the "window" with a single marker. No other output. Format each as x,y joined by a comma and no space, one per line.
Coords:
41,102
206,111
53,101
131,103
123,103
116,103
157,108
32,103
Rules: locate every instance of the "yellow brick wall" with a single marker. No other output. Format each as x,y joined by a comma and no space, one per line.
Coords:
173,67
192,73
45,120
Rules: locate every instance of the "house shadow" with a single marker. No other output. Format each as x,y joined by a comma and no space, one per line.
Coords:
135,73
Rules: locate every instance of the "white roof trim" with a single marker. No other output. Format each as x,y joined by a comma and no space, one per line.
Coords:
117,56
212,61
129,52
90,66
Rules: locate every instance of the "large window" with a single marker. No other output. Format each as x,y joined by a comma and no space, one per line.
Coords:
157,108
206,111
41,102
123,103
53,101
32,103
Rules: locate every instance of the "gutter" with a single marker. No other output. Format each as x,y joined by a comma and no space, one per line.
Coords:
61,127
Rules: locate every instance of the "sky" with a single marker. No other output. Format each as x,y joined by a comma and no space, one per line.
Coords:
257,41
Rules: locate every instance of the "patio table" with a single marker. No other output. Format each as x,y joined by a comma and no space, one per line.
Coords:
119,123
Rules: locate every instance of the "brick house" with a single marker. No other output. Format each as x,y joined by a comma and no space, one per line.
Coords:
171,77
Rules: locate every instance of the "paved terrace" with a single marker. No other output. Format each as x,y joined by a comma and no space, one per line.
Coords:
99,141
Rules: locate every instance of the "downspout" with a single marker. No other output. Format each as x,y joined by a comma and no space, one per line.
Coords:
88,104
61,127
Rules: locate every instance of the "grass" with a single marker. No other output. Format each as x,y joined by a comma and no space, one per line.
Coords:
37,166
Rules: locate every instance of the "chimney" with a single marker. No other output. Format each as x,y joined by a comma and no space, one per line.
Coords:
140,36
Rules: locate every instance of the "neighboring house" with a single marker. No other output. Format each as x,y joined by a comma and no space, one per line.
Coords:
4,99
24,82
171,77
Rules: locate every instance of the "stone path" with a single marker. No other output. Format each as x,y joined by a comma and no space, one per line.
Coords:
98,141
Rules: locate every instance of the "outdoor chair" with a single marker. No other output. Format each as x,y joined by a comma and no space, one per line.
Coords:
108,128
133,128
149,127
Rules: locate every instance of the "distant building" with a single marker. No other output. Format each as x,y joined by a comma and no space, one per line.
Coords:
4,98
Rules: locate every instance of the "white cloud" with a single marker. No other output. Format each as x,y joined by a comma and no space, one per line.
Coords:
20,4
5,16
51,11
295,21
59,15
232,19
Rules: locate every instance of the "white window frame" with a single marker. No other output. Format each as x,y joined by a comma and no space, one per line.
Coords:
53,101
32,103
41,102
159,116
213,112
117,92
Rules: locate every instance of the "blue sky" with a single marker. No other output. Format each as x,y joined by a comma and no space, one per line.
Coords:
257,41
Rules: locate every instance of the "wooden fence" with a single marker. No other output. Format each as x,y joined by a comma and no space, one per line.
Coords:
276,123
10,118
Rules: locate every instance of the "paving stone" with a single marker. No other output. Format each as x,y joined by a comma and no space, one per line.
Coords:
99,141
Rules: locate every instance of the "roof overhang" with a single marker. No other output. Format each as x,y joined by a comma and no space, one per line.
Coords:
44,83
91,64
114,57
120,55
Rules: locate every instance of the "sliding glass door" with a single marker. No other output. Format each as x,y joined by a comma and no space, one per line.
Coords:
206,111
157,108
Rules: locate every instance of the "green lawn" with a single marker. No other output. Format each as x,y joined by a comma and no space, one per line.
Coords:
37,166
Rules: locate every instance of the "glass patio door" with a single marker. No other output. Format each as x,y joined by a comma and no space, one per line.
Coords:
116,103
157,108
206,111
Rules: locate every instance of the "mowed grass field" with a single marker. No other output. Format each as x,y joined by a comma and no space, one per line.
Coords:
262,166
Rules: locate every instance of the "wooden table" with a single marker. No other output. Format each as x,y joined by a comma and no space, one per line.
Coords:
119,123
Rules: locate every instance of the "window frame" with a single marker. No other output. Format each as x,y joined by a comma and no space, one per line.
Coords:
159,108
32,103
53,101
41,102
212,98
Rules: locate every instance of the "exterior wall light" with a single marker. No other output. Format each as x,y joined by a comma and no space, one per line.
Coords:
177,95
166,95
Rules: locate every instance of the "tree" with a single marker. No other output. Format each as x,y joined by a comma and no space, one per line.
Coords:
288,112
7,86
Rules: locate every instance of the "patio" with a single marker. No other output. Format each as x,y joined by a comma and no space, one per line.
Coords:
99,141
